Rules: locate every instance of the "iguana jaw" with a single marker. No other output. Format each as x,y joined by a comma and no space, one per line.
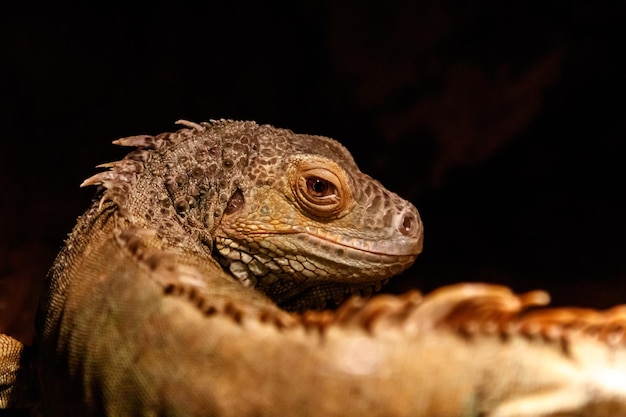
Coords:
272,254
335,265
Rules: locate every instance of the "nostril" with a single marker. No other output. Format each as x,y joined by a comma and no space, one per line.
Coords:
408,225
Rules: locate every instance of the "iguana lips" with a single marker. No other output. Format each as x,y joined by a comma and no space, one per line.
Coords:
374,250
384,247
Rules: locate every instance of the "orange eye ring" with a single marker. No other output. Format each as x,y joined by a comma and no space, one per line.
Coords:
320,191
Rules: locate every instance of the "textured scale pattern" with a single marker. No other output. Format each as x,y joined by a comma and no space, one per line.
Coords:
288,214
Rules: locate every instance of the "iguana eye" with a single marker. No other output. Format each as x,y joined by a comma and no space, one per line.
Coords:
319,187
320,191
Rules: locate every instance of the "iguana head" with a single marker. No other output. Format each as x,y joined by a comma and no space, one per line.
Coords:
306,225
289,214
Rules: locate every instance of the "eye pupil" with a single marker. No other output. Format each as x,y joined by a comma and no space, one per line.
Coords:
318,186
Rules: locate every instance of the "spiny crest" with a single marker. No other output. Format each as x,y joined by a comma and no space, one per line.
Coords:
121,175
367,314
497,311
475,310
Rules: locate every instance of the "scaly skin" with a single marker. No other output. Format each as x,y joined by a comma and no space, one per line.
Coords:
140,318
17,380
289,214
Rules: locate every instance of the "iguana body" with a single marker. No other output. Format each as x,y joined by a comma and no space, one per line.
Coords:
140,319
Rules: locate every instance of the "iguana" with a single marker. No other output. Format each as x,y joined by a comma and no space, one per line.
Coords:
191,288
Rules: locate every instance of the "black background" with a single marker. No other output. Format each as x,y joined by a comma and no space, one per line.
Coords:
503,122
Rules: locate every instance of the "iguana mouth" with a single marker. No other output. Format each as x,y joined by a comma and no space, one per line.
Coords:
383,247
373,250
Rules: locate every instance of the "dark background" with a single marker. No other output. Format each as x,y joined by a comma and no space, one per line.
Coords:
503,122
